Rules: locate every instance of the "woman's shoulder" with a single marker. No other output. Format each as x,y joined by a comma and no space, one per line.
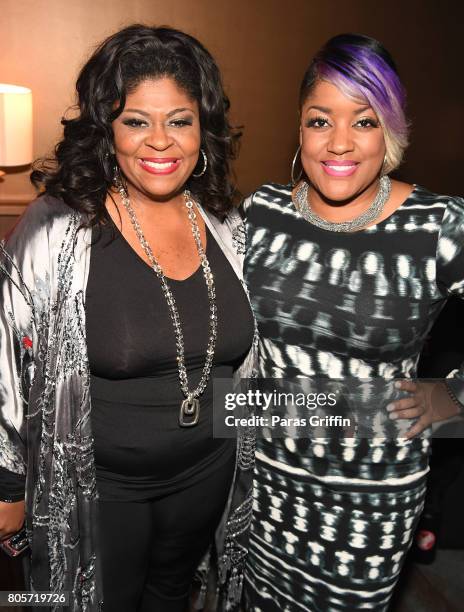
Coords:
427,200
269,195
43,213
46,209
442,214
273,192
43,225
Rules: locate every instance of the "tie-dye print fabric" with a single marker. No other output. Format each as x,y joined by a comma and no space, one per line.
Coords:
333,520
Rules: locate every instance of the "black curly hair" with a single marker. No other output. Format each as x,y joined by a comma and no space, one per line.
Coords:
81,171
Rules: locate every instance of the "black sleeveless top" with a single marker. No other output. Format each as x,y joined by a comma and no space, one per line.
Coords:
140,449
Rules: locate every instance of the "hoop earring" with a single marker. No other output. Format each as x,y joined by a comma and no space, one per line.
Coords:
382,169
205,165
292,173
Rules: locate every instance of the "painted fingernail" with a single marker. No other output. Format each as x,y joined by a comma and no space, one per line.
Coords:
390,407
393,415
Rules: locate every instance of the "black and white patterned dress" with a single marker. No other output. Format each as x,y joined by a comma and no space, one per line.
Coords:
333,520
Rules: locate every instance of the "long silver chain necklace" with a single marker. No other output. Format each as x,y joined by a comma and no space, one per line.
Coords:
302,204
190,407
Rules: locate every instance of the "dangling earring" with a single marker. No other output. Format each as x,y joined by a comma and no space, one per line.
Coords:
117,178
205,165
292,174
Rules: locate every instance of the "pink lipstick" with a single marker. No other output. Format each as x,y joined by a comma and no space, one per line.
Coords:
159,165
337,167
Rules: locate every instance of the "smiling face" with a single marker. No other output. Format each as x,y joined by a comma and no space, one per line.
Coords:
342,144
157,139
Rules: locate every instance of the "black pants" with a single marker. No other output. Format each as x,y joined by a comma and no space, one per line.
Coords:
150,550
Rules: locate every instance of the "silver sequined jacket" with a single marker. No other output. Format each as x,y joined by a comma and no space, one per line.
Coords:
45,430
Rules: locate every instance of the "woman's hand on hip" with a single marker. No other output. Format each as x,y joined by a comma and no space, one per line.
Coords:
428,402
11,518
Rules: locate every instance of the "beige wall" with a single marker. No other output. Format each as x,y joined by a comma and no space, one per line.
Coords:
262,47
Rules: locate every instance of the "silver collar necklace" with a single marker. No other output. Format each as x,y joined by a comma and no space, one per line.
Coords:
190,407
302,204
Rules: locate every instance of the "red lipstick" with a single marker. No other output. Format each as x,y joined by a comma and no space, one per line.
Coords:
159,165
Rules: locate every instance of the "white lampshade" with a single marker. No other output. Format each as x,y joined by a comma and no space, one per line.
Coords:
15,125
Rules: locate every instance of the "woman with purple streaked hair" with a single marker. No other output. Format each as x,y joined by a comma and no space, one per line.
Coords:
347,270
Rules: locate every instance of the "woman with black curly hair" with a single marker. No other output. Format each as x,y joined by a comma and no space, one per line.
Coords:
121,298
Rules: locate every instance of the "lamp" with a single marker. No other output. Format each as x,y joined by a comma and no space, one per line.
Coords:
15,126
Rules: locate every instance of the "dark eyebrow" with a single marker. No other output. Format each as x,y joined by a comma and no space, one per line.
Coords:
325,109
136,110
145,114
178,110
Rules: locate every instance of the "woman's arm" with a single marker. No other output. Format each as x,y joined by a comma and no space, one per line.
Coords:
444,400
11,503
16,366
11,486
11,518
450,276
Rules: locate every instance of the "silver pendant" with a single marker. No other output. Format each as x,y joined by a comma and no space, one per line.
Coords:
190,408
189,412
